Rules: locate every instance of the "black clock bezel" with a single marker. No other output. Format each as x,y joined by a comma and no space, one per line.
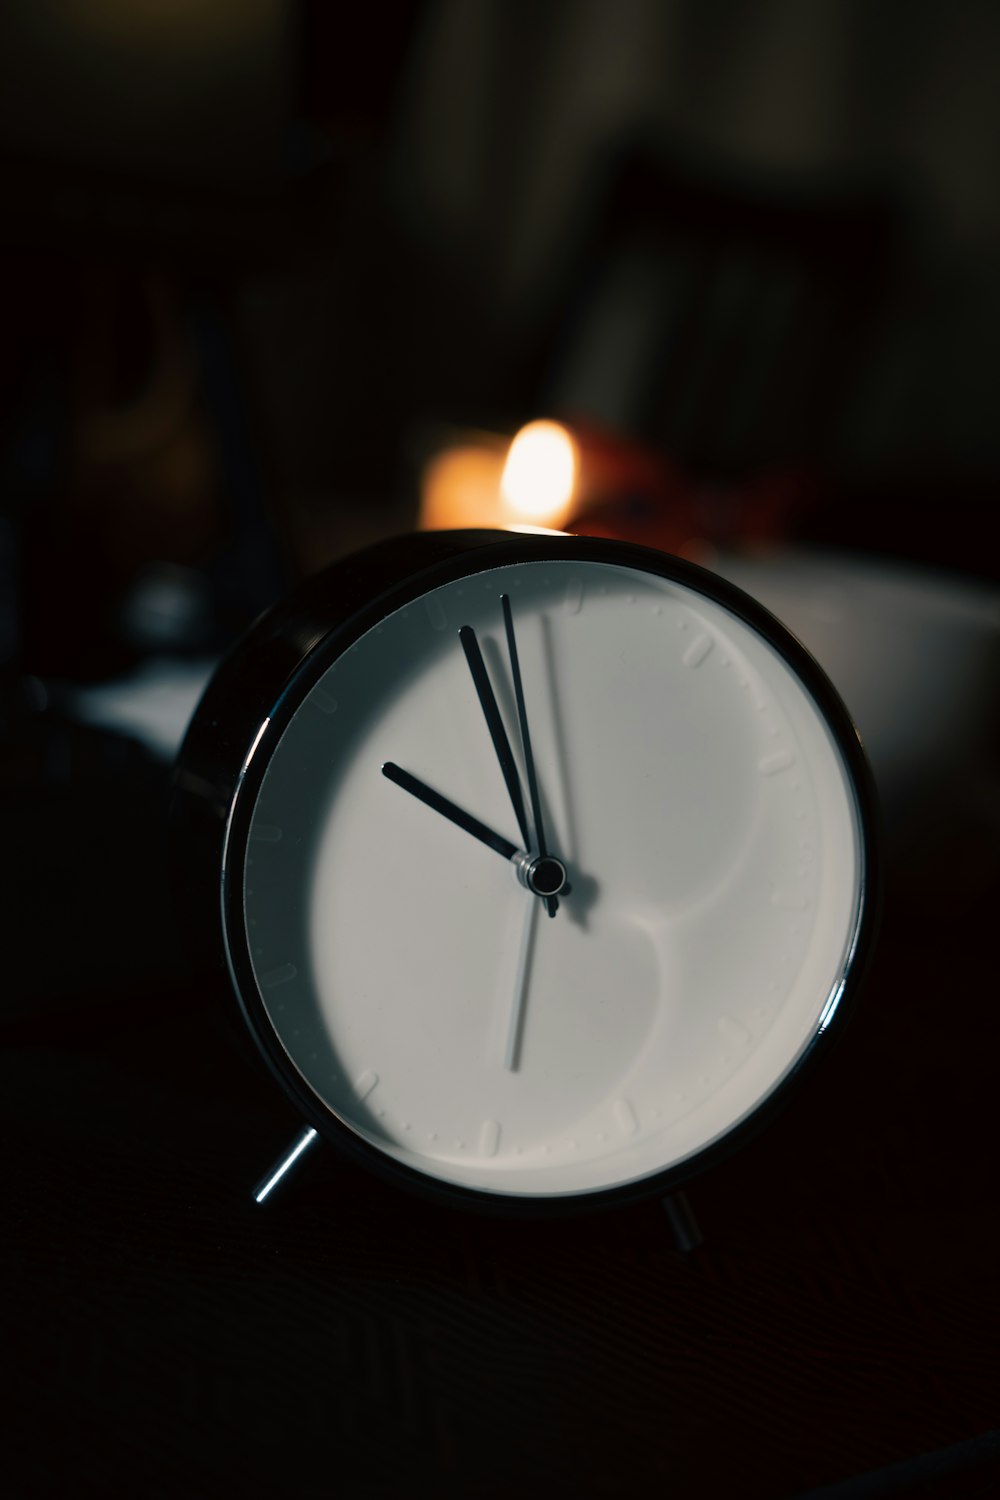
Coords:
257,690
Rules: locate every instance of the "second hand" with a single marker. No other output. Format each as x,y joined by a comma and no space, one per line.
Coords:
551,904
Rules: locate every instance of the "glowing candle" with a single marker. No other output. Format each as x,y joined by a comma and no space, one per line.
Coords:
484,483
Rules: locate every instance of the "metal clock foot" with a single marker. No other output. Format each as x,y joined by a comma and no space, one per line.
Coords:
682,1221
294,1154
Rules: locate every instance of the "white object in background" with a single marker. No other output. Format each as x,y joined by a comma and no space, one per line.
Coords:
914,654
153,705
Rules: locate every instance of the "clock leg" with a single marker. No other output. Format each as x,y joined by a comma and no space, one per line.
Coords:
294,1154
680,1216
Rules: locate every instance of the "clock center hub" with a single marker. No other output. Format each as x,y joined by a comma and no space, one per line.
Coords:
543,874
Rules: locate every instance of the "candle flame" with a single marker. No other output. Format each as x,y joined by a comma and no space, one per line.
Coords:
539,476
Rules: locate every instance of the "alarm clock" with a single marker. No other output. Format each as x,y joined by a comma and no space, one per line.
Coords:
540,867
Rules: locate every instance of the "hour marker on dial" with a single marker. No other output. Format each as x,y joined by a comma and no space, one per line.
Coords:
278,976
778,760
266,833
489,1138
573,597
733,1032
324,701
364,1083
436,612
697,651
625,1115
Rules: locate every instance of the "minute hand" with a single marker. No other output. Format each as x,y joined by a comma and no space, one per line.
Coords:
491,712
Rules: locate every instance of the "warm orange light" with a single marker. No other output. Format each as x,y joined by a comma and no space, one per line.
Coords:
539,476
481,481
461,487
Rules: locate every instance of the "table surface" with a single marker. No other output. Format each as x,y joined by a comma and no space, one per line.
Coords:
163,1333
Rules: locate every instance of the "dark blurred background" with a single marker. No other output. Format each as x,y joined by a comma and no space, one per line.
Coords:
257,256
280,278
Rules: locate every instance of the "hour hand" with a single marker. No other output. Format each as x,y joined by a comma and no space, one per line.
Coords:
450,810
543,875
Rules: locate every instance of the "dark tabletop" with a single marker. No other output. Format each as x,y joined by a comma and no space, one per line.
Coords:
164,1335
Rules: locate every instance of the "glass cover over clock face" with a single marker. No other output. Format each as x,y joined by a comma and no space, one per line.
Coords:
567,1024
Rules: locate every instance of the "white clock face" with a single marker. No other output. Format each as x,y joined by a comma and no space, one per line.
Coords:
710,835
